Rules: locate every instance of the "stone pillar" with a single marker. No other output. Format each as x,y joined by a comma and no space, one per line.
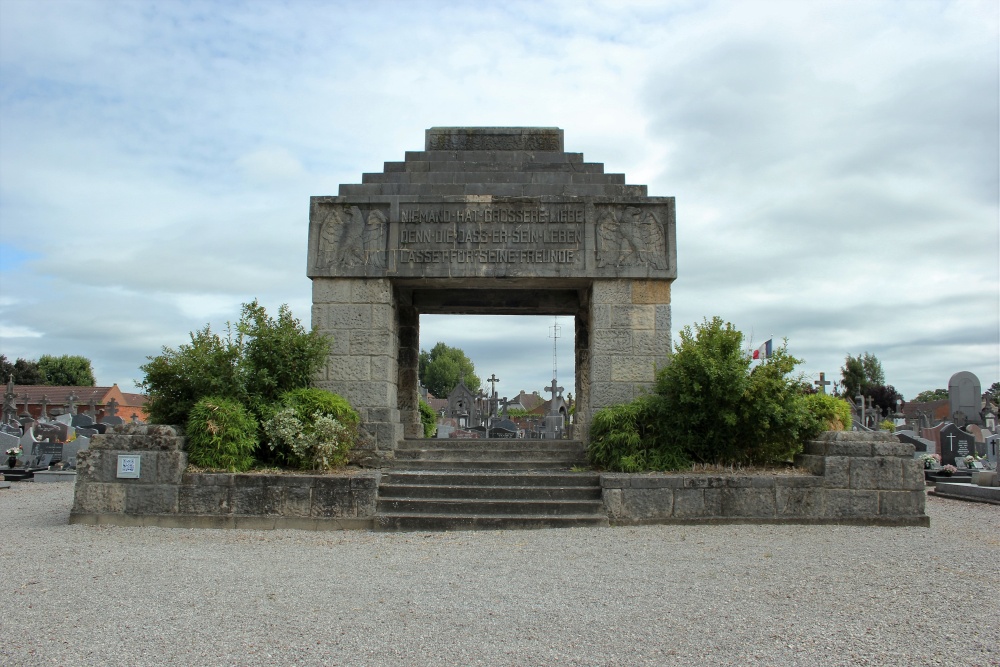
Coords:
409,370
629,338
360,314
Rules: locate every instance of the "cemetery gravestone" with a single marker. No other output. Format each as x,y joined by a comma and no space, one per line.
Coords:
965,396
956,444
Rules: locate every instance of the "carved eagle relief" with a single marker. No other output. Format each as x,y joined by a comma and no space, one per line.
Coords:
630,236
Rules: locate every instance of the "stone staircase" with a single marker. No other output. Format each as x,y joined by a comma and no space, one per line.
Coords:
488,484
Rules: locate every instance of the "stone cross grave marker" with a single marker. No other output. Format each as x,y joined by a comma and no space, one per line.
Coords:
822,382
71,403
45,406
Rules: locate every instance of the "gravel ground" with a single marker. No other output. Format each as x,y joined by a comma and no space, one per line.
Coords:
657,595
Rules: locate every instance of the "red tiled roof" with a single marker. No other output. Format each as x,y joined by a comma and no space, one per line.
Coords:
60,395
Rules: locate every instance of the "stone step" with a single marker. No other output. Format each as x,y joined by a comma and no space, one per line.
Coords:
488,506
461,177
440,454
591,493
435,522
495,157
465,166
495,189
493,444
456,500
460,464
471,478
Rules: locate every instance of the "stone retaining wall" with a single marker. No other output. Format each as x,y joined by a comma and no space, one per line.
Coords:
865,478
859,478
164,495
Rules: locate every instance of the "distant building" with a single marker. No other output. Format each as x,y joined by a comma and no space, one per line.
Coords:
32,399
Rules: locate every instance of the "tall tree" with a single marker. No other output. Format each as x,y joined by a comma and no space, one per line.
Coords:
442,368
859,374
66,371
931,395
23,371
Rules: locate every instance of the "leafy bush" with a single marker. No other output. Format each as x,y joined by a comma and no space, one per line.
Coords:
254,363
709,406
622,439
887,425
831,413
319,442
428,418
312,428
701,393
221,433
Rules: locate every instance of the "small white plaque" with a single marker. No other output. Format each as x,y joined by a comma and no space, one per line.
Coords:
128,465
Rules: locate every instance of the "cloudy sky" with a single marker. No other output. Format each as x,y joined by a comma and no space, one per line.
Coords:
835,164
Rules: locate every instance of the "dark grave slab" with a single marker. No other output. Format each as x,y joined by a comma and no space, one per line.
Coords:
82,421
955,444
920,445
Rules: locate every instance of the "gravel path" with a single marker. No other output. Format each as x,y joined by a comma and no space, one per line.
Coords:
657,595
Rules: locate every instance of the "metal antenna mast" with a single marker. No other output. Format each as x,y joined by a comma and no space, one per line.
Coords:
555,332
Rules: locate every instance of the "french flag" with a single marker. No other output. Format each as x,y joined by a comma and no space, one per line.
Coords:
764,351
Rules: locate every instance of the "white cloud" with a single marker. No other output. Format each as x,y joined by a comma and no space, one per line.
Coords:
835,164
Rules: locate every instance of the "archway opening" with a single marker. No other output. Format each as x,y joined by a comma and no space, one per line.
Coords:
525,368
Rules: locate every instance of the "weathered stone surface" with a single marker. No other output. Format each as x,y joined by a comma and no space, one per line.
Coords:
902,503
202,497
98,498
796,501
650,291
837,471
875,473
151,499
748,502
645,504
850,504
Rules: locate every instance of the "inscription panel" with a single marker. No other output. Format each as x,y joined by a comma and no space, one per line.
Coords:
526,237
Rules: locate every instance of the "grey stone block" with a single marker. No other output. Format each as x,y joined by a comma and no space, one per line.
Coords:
857,436
748,502
613,503
837,471
691,503
611,480
332,498
902,503
840,448
850,504
151,499
875,473
657,482
792,501
704,482
901,449
98,498
912,477
814,464
645,504
207,499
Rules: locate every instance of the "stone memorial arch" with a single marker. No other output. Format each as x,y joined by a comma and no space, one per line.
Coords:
494,221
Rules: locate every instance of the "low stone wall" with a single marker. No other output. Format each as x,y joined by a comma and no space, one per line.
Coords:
164,495
857,478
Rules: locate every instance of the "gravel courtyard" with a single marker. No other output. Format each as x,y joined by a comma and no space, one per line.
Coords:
657,595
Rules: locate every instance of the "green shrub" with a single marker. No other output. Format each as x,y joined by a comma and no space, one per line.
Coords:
621,439
428,418
887,425
831,413
312,429
254,363
702,392
221,433
709,406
